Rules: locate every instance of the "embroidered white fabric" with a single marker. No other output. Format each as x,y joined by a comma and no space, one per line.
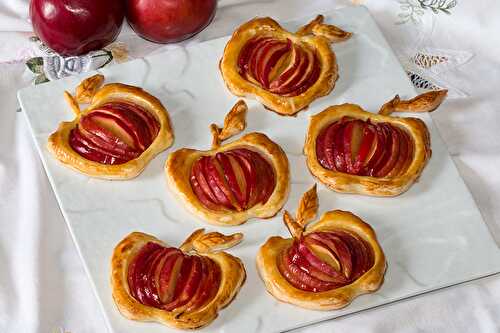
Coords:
43,287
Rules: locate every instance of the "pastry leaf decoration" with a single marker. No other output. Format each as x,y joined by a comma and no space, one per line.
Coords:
86,90
234,123
426,102
308,208
316,27
202,242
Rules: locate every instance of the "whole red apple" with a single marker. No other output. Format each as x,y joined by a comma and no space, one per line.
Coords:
74,27
167,21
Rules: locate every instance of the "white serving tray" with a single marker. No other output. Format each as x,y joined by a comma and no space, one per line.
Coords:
433,235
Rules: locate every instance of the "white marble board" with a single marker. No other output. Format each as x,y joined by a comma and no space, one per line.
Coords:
433,235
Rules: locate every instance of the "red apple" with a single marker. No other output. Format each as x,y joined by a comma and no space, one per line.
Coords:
78,26
168,21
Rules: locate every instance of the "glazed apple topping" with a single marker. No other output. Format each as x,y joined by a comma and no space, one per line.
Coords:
236,180
364,148
279,65
169,279
325,260
114,133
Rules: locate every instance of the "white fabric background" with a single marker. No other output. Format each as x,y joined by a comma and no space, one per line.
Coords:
43,286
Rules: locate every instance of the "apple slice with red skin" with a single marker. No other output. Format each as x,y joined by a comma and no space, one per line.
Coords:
201,188
168,277
365,147
241,179
208,287
118,148
305,248
410,148
231,180
187,283
268,60
313,77
329,144
250,177
320,150
83,145
338,149
214,180
148,119
137,264
379,153
338,248
392,152
142,280
353,137
402,154
299,278
361,253
295,60
247,52
257,55
303,73
124,121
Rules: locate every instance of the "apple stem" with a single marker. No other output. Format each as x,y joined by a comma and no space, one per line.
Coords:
317,28
234,123
293,227
72,103
426,102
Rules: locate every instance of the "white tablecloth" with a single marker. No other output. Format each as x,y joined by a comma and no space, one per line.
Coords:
43,287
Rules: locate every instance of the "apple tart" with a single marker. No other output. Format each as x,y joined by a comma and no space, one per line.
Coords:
116,136
354,151
284,71
232,182
181,287
324,266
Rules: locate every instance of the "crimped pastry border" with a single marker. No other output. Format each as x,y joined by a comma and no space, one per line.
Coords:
333,299
280,104
346,183
58,142
178,169
232,278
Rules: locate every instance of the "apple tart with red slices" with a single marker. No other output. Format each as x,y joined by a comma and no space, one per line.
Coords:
284,71
232,182
354,151
116,135
181,287
324,266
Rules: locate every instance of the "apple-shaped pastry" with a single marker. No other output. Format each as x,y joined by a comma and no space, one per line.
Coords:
326,265
354,151
116,136
181,287
284,71
231,183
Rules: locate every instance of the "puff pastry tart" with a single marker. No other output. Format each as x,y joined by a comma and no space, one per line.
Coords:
115,137
233,182
179,287
325,265
284,71
354,151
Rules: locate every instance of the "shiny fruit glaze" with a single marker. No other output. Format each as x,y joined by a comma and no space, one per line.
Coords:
322,261
364,148
237,180
114,133
279,65
166,278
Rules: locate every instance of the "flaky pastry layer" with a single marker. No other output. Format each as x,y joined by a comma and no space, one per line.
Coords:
58,143
232,277
280,288
178,170
374,186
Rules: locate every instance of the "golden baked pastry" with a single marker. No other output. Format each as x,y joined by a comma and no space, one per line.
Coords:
284,71
325,265
227,185
354,151
116,136
182,288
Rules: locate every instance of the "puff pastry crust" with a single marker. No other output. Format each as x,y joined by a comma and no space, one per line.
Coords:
232,278
315,35
178,170
337,220
58,142
369,185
